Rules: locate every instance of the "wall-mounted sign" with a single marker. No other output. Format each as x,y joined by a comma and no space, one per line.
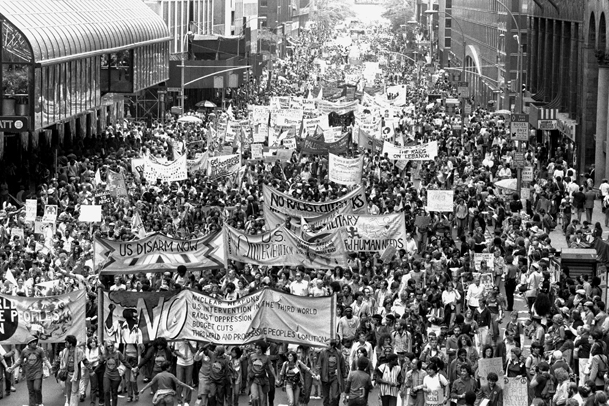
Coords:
14,124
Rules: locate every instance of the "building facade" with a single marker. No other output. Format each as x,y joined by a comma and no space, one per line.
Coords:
555,79
492,37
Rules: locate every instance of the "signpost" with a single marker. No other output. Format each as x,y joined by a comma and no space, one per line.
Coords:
527,174
519,127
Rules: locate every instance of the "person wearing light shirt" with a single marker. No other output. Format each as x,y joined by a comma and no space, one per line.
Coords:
299,287
475,292
185,352
411,244
450,296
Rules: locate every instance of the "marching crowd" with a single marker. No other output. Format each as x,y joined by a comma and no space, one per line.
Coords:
414,326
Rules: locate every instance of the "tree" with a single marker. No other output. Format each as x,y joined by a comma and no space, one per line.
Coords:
399,12
332,12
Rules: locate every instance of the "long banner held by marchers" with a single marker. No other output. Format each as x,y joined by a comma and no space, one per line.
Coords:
50,318
286,204
345,171
189,315
281,247
224,165
340,108
171,172
199,163
367,232
157,253
273,218
320,147
423,152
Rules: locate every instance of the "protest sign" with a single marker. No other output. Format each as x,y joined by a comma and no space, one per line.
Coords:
367,232
288,117
17,232
515,392
315,224
256,151
260,115
50,213
265,314
332,134
223,166
309,125
340,108
284,154
286,204
486,365
116,184
289,143
157,253
388,253
102,197
345,171
90,213
319,147
50,318
440,200
281,247
422,221
137,166
261,132
44,228
30,210
423,152
171,172
479,257
199,163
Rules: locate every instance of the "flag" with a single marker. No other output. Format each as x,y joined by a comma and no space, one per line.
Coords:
230,113
98,178
321,93
10,278
137,226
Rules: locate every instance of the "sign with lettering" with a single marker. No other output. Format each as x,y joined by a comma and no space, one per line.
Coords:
265,314
519,127
527,174
14,124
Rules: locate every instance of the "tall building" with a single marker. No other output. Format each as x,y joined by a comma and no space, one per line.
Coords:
555,79
492,36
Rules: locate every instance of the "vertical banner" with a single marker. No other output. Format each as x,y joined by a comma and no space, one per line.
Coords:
49,318
440,200
30,210
345,171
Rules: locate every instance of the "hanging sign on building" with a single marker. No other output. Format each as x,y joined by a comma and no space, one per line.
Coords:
14,124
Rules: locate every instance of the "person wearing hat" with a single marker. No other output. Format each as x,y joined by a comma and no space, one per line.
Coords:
32,359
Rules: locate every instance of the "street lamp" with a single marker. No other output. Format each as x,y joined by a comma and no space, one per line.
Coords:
188,36
519,100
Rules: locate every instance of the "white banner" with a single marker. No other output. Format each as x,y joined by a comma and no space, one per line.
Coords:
288,117
199,163
440,200
50,213
310,125
225,165
345,171
90,213
423,152
30,210
256,151
171,172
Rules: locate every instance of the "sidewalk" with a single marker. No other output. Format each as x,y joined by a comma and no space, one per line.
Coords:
558,237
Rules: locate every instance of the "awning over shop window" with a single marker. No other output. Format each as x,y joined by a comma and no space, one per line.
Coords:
62,30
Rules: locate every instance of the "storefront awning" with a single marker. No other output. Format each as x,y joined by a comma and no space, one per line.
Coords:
63,30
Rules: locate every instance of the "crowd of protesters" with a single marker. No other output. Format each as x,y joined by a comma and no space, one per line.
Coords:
413,326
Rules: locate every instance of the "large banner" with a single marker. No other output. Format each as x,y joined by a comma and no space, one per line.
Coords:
274,219
423,152
188,315
171,172
320,147
440,200
369,143
340,108
286,204
223,166
346,171
157,253
50,318
366,232
281,247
